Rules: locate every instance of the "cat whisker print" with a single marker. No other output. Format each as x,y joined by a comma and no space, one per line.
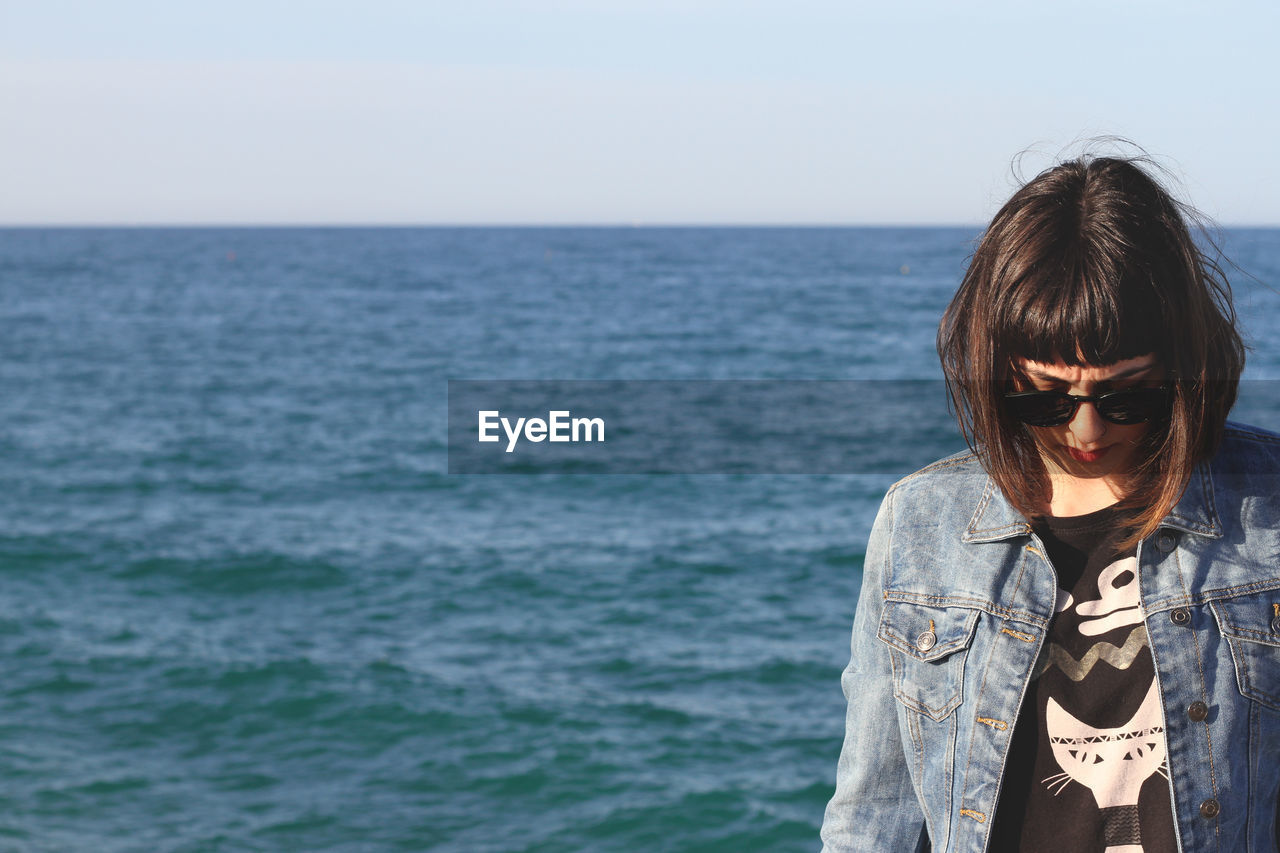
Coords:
1058,780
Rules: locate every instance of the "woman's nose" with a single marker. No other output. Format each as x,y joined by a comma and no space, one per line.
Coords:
1087,425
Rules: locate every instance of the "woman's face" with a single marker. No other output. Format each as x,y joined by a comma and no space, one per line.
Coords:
1088,446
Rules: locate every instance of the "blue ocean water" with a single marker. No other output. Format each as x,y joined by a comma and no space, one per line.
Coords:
244,607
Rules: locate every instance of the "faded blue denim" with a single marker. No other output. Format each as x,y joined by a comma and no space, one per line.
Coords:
927,732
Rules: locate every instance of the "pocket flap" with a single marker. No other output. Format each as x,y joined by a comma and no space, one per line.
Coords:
1255,617
926,632
1249,623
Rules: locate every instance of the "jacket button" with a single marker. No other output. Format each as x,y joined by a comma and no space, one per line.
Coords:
1198,712
1166,541
1209,809
1275,625
926,641
1180,616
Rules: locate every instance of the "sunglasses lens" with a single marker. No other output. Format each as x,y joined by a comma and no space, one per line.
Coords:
1134,406
1050,408
1041,408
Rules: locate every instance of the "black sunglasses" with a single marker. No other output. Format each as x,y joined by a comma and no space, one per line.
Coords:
1055,408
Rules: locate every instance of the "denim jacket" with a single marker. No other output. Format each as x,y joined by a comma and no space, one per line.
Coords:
956,601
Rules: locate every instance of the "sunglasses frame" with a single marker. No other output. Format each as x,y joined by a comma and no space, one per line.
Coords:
1098,401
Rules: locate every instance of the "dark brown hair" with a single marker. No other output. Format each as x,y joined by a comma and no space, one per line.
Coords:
1092,262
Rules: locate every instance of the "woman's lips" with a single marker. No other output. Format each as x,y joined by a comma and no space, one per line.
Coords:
1088,456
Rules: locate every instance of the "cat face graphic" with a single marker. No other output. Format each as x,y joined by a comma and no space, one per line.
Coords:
1112,763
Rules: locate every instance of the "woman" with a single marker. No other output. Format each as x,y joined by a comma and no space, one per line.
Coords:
1068,637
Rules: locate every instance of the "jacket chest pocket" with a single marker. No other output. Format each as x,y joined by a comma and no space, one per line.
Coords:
1251,626
928,645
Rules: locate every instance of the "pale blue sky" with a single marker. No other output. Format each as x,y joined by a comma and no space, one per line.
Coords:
567,111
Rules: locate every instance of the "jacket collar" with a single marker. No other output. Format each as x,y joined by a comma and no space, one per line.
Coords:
995,519
1195,511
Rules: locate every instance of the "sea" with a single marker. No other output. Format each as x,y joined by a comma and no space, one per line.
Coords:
245,606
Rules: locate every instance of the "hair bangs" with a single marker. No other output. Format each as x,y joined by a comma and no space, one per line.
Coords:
1089,317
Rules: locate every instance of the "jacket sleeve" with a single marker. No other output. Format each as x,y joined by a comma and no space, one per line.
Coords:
874,807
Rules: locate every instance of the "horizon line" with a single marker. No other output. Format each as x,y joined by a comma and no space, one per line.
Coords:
53,226
567,224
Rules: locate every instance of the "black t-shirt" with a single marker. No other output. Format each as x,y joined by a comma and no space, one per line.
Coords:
1087,770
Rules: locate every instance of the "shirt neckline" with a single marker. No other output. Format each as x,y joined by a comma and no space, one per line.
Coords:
1098,518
